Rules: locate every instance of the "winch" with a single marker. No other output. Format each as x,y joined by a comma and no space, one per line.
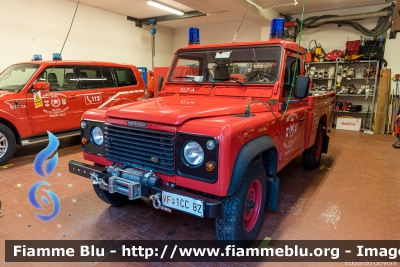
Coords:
128,181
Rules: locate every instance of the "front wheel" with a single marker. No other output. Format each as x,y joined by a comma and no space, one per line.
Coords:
311,157
242,212
7,144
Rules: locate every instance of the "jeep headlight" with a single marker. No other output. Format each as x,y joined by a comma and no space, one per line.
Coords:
193,153
97,136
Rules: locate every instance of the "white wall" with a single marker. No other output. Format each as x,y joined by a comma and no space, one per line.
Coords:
392,55
220,33
40,26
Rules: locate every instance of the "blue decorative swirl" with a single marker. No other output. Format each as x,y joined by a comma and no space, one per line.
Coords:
44,154
32,199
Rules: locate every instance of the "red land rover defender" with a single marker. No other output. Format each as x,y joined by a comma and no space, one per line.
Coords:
214,141
41,96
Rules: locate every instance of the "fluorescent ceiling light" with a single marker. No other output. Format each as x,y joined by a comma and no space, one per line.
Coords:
164,7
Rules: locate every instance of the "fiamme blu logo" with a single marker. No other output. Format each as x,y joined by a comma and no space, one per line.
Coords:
44,170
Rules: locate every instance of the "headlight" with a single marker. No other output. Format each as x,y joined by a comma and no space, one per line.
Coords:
193,153
97,136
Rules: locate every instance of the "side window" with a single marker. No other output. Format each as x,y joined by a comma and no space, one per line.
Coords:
107,77
292,65
125,76
60,78
90,77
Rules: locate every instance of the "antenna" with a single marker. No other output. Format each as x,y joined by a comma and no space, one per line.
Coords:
234,37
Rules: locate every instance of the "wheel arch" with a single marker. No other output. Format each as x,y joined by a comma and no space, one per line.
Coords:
13,129
323,120
262,147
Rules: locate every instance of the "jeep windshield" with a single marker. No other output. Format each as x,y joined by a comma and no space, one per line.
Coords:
15,77
236,65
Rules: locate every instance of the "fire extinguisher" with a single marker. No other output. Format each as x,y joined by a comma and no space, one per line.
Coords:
309,57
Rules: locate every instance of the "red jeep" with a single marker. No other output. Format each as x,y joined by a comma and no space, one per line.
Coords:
214,141
41,96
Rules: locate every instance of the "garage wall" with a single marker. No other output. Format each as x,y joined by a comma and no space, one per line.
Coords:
219,33
392,55
40,26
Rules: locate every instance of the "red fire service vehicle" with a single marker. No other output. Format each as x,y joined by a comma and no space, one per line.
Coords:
212,143
41,96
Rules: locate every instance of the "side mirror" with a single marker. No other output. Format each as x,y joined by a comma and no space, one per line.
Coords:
301,86
42,86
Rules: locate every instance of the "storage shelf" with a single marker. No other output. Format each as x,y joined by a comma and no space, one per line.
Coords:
324,62
356,79
345,78
362,112
352,95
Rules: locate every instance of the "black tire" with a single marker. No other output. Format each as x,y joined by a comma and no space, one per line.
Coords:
231,226
115,199
311,157
7,140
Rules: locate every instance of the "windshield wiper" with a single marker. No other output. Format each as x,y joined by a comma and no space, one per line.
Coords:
233,79
188,77
239,82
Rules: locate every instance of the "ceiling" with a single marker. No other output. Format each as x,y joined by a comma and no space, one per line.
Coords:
221,11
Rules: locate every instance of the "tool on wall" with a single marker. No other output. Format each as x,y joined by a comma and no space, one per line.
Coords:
153,32
317,51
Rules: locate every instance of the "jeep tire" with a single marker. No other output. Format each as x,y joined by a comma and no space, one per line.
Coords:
242,211
7,144
115,199
311,157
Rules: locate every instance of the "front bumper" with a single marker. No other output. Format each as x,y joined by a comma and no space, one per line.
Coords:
146,186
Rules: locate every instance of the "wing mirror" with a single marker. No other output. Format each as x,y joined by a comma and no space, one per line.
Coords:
301,86
160,84
42,86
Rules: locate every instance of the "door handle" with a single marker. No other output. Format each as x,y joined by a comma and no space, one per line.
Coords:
302,119
111,93
72,96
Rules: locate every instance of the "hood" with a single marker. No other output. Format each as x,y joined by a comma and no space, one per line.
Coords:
178,109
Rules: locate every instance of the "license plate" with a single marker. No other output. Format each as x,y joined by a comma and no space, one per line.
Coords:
182,203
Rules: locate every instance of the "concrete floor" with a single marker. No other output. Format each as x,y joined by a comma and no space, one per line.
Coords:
356,197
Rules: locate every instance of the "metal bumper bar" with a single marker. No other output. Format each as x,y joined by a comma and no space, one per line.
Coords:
135,189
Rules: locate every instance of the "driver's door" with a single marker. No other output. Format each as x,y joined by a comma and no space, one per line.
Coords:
62,107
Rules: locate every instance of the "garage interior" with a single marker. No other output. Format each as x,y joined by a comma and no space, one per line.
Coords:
353,195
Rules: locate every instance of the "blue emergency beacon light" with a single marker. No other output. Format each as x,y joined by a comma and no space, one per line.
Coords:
277,28
194,36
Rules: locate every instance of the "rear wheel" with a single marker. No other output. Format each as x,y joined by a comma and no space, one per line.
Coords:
242,212
311,157
7,144
115,199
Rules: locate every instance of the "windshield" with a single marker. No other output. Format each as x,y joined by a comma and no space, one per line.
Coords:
15,77
231,65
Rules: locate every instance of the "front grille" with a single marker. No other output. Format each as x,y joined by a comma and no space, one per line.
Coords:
141,148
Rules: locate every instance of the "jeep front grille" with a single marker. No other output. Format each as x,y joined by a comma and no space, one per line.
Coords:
141,148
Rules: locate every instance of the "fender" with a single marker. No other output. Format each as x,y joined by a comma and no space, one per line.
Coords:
12,121
247,154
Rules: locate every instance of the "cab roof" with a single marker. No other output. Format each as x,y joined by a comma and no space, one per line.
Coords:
286,44
76,62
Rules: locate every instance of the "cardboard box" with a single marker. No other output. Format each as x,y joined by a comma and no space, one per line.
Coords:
346,123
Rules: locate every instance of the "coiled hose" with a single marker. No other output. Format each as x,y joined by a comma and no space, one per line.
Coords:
380,28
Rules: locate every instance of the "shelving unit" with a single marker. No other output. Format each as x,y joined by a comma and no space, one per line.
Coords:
359,79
